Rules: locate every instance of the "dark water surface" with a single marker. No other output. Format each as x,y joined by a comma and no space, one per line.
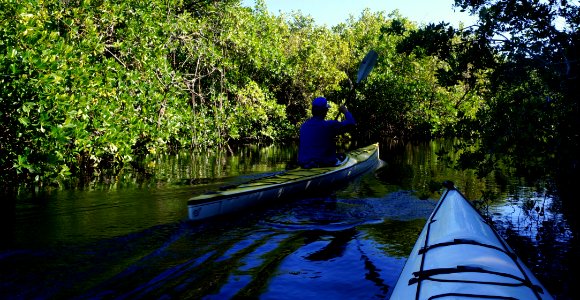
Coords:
130,238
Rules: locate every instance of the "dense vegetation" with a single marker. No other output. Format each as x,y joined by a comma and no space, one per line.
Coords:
88,86
93,85
531,120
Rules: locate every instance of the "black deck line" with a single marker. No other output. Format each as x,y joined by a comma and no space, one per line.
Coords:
466,242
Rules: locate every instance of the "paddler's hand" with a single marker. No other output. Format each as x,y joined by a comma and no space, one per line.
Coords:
343,109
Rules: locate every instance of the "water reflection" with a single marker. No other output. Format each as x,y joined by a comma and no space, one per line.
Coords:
129,237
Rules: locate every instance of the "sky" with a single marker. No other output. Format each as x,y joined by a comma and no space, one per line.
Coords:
332,12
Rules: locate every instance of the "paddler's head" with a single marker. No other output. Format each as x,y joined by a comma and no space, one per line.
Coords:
320,107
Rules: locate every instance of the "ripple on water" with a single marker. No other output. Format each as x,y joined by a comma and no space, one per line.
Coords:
331,214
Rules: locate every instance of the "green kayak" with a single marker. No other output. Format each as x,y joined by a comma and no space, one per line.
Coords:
283,185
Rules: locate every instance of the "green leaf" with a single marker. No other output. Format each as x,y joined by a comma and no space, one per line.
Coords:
24,121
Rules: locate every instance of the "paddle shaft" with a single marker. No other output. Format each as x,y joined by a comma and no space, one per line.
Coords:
364,70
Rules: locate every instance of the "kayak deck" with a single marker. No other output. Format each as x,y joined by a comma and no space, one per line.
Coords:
458,255
232,198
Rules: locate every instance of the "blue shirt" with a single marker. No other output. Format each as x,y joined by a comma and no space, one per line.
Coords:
317,145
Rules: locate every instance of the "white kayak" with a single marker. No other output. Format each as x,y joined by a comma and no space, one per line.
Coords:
458,255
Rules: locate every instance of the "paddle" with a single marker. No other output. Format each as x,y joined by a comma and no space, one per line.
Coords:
364,69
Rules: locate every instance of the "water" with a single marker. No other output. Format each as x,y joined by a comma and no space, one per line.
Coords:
130,238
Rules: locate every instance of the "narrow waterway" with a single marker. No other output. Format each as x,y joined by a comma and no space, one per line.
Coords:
128,237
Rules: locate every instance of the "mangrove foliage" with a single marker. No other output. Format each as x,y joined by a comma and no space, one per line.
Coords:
88,86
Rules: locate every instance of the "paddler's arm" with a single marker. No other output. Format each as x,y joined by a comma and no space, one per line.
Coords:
348,123
348,118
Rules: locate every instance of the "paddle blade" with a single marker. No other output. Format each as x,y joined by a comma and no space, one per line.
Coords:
366,65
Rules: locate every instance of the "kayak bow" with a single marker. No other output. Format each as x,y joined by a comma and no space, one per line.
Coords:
234,198
458,255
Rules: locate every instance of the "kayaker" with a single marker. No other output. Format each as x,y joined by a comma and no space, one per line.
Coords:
317,136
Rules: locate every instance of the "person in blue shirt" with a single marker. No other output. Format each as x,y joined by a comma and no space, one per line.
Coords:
317,136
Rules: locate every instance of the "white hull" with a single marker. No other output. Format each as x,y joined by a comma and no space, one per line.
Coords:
459,256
